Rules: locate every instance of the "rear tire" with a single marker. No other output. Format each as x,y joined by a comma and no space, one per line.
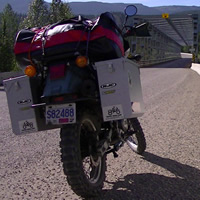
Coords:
137,141
84,169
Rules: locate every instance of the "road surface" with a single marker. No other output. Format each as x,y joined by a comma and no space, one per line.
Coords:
30,166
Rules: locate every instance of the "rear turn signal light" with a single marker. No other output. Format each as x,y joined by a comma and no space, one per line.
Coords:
81,61
30,71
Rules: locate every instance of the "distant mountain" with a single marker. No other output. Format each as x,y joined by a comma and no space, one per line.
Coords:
85,8
95,8
177,9
19,6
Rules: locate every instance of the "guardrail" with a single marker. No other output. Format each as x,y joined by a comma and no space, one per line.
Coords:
145,63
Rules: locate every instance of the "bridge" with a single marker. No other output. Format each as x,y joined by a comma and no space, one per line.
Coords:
168,35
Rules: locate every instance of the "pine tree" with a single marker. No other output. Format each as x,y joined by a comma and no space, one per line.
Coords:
37,16
9,22
8,30
59,11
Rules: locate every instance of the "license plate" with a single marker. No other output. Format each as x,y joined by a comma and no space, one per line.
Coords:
61,114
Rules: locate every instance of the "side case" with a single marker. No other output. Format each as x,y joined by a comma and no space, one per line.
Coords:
120,89
21,95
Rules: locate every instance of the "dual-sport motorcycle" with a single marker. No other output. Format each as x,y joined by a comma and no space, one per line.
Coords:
71,66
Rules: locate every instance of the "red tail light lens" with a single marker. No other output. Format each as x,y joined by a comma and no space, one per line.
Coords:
59,99
57,71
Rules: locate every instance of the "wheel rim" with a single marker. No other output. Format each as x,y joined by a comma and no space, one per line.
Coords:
91,165
133,143
91,172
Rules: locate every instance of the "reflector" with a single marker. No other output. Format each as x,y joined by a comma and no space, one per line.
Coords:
59,99
57,71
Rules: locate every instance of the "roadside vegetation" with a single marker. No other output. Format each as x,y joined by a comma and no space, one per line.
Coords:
11,22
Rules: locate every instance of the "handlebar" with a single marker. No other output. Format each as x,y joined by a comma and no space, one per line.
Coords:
141,30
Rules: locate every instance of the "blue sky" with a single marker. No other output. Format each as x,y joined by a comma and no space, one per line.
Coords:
150,3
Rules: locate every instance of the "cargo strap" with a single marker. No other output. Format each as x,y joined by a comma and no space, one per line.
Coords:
43,40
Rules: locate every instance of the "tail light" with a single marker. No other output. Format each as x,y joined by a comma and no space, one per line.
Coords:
81,61
30,71
59,99
57,71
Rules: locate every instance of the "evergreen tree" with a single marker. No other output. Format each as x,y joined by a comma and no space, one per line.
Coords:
8,30
9,22
59,11
37,16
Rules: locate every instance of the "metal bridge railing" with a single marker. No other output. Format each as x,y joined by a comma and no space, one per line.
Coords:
155,49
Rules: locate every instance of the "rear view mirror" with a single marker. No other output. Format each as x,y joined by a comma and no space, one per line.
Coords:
130,10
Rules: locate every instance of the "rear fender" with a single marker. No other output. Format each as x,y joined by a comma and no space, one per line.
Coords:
70,83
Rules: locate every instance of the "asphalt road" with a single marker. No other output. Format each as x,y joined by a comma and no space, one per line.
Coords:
30,166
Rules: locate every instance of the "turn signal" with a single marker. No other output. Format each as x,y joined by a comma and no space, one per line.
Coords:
81,61
30,71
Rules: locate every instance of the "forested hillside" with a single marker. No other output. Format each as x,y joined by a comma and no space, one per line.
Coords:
39,14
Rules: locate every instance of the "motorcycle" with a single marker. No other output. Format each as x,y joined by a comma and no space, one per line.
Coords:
71,92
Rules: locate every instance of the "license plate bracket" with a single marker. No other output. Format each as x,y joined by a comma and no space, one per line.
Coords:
61,114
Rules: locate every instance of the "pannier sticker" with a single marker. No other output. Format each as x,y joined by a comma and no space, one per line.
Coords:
28,126
108,85
24,101
108,92
113,112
